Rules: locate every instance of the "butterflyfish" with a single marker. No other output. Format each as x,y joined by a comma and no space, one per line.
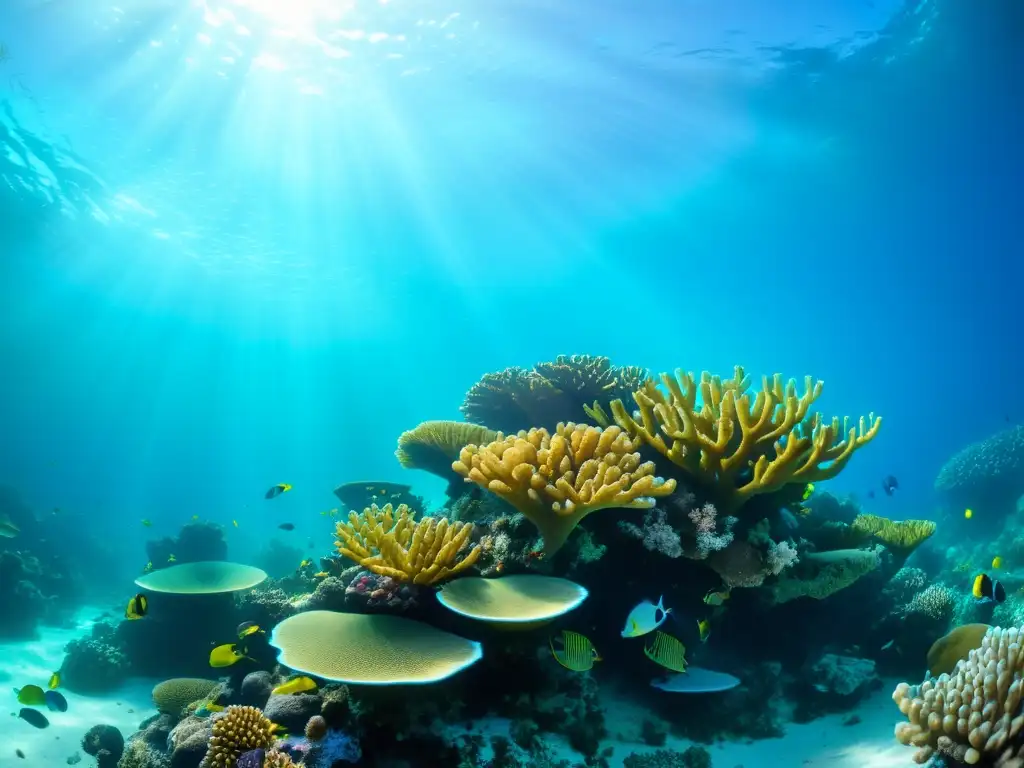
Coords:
138,606
987,590
717,596
295,685
31,695
226,655
577,652
247,628
667,651
54,682
808,491
277,490
704,627
34,718
645,617
55,701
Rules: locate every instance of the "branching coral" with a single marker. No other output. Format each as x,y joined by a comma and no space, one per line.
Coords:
557,480
237,730
937,602
972,713
773,434
904,536
389,542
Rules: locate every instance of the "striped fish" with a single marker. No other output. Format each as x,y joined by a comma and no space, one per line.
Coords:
667,651
577,653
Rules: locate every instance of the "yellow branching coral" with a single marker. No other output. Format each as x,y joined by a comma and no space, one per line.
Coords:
904,535
390,542
740,443
557,480
434,445
237,730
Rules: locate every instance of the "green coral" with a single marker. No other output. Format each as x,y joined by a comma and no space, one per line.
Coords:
821,574
175,695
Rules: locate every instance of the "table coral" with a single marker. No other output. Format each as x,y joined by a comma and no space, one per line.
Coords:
904,536
556,480
822,574
433,445
718,442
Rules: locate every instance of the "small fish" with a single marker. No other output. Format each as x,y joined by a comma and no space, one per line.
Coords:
997,562
54,682
986,590
172,559
148,568
305,563
717,596
277,490
803,510
8,530
195,517
321,575
31,695
667,651
808,491
577,653
890,485
211,707
278,731
138,606
55,701
287,526
537,554
295,685
147,523
234,523
704,627
226,655
645,617
968,513
19,753
34,718
247,628
888,645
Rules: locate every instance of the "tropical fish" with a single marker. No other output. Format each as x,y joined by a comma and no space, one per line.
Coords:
247,628
172,559
138,606
8,530
667,651
577,653
305,563
968,513
34,718
234,523
295,685
287,526
226,655
55,701
146,523
321,575
717,596
19,753
148,568
195,517
808,491
704,627
645,617
31,695
54,681
997,562
986,590
890,485
277,490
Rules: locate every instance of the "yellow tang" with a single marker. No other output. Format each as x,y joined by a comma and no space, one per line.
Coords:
577,654
226,655
667,651
54,683
32,695
295,685
138,606
997,562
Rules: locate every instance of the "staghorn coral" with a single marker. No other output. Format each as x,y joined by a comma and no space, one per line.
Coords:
389,542
557,480
717,443
237,730
903,536
434,445
972,714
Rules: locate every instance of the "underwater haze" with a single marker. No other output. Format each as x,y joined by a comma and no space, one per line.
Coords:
251,242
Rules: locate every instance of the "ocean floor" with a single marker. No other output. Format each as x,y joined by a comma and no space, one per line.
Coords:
824,742
22,663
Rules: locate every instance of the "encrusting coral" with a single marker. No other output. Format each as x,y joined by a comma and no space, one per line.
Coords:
773,435
237,730
390,542
904,535
971,714
557,480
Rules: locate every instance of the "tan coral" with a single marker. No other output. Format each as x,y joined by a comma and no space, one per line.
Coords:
972,713
773,433
903,535
391,543
557,480
237,730
434,445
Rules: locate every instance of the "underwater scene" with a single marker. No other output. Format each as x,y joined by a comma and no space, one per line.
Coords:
400,383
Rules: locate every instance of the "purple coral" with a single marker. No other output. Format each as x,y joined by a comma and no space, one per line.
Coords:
375,591
705,520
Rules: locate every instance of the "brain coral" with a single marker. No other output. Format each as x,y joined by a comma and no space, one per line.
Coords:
987,472
237,730
172,696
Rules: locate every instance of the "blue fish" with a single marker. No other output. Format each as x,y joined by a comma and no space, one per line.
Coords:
55,701
34,718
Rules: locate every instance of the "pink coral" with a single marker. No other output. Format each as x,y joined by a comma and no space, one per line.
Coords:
781,555
705,520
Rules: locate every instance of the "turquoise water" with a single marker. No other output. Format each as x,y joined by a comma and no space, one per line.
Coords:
252,242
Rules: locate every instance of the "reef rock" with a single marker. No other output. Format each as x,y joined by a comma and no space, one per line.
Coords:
292,712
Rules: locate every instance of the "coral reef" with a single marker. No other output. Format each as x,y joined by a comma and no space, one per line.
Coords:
389,542
236,730
557,480
197,541
95,663
987,475
691,757
904,536
105,743
173,696
821,574
434,445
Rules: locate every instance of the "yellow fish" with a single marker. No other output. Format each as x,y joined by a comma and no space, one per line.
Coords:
234,523
295,685
968,514
305,563
211,707
577,653
717,597
277,490
321,575
667,651
195,517
138,606
226,655
704,627
997,562
146,523
172,559
54,683
247,628
808,491
32,695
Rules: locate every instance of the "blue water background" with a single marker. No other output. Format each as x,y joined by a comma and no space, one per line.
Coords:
301,243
